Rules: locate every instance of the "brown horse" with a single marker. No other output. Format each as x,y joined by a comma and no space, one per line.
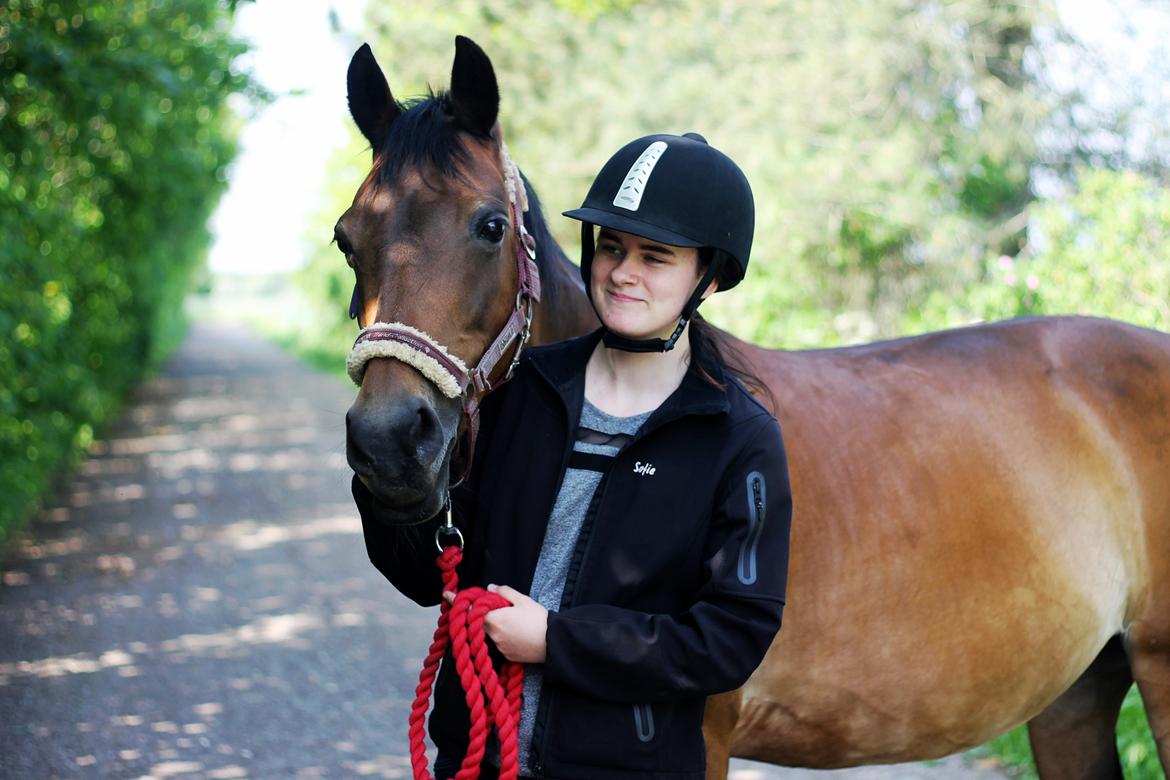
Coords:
982,516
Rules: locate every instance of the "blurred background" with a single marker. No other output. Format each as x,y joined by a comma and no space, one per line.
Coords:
916,165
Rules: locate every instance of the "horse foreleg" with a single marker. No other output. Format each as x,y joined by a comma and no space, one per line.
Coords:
1075,736
1149,650
719,719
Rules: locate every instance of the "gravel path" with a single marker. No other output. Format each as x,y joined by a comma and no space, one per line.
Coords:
199,603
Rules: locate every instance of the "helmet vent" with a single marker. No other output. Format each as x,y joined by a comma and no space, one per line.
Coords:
629,195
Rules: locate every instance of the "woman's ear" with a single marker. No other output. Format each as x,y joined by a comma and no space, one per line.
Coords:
711,289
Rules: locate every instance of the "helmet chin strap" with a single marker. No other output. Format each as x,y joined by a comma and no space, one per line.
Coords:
615,341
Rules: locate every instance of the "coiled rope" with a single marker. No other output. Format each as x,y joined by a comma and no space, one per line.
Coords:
461,628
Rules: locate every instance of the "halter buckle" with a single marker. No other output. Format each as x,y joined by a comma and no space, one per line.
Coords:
528,241
525,332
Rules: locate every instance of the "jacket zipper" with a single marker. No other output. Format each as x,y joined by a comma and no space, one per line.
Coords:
540,735
746,571
644,722
540,731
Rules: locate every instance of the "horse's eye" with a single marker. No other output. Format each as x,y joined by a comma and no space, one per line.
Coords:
493,230
345,248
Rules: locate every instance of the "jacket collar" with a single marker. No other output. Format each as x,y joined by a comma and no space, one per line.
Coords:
563,366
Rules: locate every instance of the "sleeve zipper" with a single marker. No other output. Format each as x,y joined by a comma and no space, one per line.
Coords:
746,571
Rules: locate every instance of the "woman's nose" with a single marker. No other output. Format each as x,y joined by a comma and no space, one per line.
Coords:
623,273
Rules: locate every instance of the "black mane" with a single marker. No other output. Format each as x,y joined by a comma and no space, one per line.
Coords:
423,135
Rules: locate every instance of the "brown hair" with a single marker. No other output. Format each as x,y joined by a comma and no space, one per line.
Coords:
714,343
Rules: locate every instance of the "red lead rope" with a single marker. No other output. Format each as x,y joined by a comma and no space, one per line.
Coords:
461,626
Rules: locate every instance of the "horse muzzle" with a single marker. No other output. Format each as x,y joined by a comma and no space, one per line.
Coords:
399,443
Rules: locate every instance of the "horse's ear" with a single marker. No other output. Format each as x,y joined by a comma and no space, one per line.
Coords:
370,103
474,96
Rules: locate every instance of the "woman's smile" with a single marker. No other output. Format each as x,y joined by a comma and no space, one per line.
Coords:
623,298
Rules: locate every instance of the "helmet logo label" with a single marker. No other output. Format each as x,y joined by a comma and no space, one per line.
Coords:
629,195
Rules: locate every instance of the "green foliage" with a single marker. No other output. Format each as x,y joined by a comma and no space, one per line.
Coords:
114,137
1104,250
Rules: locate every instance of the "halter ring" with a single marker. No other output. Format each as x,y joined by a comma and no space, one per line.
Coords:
448,529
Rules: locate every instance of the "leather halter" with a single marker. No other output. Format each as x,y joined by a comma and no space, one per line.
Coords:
427,355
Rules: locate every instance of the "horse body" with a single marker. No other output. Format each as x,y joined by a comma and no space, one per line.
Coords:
981,530
976,513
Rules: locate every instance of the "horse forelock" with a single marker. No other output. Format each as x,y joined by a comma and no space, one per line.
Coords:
422,136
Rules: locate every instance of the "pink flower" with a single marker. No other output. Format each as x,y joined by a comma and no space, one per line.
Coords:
1032,281
1011,279
1005,263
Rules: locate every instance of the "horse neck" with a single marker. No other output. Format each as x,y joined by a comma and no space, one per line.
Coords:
564,310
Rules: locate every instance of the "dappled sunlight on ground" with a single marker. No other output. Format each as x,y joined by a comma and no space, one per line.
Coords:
249,535
198,602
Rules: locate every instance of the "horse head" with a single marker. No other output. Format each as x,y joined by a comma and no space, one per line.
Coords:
432,236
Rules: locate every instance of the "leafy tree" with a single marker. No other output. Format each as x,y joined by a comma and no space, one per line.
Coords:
1103,250
114,137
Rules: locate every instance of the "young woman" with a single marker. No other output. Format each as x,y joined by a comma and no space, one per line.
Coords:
628,495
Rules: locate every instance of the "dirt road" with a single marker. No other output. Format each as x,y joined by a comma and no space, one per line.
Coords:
199,602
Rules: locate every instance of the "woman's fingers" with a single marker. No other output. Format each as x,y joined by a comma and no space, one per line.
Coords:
511,594
518,631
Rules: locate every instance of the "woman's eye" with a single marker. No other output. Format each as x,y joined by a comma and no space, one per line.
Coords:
493,230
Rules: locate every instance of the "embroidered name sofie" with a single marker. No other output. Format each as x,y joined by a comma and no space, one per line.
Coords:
644,469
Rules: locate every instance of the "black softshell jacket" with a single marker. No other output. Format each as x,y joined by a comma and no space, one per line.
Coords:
677,580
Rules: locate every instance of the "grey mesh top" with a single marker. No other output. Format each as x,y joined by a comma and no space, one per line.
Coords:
600,437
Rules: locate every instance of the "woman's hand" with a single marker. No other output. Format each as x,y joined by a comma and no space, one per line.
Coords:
519,630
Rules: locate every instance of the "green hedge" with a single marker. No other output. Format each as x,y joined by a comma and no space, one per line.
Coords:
114,138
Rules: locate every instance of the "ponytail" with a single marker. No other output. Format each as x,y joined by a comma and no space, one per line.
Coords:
719,346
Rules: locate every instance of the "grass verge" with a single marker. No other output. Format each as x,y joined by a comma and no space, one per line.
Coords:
1135,746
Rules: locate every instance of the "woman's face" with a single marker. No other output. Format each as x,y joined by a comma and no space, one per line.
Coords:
640,286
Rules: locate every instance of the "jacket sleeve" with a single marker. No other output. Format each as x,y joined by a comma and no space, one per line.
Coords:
406,555
620,654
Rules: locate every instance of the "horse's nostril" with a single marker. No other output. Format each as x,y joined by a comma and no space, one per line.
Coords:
426,423
395,441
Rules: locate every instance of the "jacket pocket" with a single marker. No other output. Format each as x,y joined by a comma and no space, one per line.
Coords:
756,498
666,738
643,722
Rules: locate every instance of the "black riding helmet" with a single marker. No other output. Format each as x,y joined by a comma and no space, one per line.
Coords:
681,191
